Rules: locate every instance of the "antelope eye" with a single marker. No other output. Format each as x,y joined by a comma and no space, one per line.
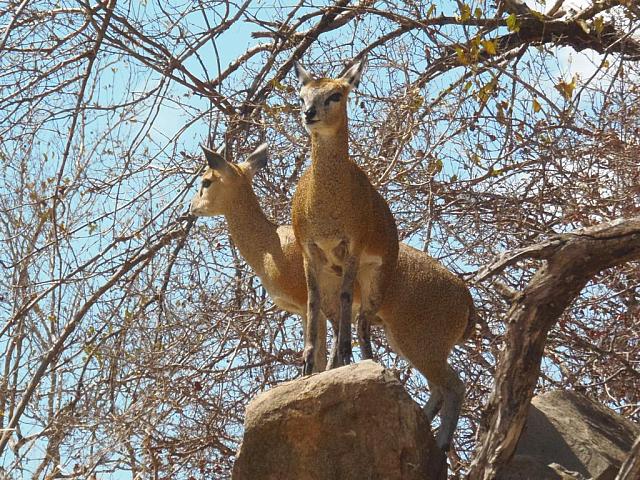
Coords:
336,97
206,183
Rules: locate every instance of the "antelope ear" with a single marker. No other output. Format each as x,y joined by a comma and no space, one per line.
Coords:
304,77
352,76
215,160
257,160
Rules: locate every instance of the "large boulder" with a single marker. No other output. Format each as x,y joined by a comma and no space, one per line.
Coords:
354,422
577,433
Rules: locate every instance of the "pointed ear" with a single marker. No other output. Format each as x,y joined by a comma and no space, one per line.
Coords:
352,76
304,77
257,160
215,160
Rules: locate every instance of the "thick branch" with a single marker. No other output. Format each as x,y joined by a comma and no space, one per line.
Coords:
630,469
535,310
579,32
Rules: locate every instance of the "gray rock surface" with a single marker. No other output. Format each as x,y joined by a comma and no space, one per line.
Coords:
577,433
355,422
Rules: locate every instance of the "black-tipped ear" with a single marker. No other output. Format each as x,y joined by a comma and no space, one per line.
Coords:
215,160
304,77
258,159
352,76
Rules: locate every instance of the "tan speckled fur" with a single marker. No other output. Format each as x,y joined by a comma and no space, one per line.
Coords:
345,228
426,309
271,251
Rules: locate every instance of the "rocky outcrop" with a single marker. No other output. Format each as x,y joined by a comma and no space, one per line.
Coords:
354,422
584,439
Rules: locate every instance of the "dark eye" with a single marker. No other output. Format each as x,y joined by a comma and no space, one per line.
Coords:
206,183
336,97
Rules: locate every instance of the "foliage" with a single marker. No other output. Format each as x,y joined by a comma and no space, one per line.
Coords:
133,338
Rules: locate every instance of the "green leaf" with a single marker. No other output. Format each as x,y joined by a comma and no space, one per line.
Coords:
477,12
512,23
435,166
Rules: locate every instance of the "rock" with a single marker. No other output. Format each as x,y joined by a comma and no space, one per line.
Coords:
355,422
580,435
527,467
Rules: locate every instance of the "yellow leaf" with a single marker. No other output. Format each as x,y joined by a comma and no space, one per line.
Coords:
566,89
416,102
278,86
512,23
485,92
465,12
461,54
490,46
431,11
598,24
477,12
435,166
536,106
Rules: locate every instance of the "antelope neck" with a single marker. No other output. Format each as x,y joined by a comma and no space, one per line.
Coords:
251,231
330,151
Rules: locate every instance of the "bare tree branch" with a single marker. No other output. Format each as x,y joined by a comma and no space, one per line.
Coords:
539,306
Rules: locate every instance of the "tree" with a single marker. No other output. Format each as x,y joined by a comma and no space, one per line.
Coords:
134,336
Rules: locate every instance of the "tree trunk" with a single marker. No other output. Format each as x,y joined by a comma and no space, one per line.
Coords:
572,260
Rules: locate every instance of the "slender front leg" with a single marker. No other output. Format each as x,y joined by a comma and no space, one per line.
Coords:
320,357
333,356
346,304
320,350
364,335
313,318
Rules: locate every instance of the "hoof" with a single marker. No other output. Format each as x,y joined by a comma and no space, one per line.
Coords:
366,352
307,368
344,356
345,360
442,445
307,362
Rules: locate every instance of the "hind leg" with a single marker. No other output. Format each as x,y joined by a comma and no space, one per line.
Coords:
371,288
434,404
452,392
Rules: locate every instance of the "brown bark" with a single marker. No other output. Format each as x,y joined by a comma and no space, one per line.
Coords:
571,261
630,469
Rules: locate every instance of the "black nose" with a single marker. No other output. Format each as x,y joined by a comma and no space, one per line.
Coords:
310,113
